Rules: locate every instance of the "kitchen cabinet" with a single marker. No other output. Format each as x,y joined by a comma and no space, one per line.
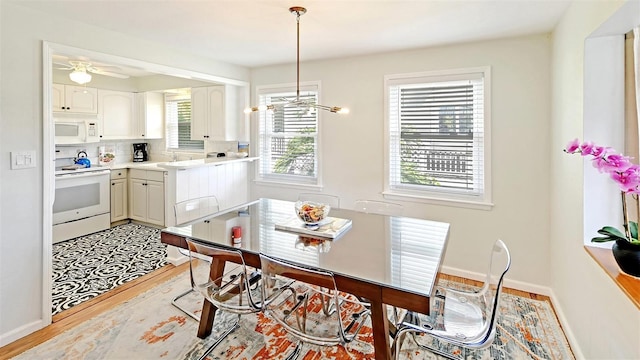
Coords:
216,113
229,182
116,113
146,200
119,203
149,122
74,99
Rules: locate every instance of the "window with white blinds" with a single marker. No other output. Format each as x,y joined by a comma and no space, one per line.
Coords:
178,118
438,134
288,136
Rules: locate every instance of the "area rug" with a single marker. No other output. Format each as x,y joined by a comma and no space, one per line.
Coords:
90,265
149,327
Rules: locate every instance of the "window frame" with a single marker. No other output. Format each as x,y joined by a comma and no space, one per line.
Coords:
433,195
302,182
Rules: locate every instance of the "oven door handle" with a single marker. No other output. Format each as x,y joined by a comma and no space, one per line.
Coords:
84,174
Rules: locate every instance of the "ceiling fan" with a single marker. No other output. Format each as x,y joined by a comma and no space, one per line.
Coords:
81,70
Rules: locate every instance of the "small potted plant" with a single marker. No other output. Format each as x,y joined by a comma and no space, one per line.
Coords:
626,247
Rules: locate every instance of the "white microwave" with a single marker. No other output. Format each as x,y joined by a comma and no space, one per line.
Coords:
70,131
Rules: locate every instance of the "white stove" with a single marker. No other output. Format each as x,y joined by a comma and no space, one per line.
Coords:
81,203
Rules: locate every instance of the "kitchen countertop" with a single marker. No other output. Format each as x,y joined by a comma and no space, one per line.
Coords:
188,164
147,165
172,165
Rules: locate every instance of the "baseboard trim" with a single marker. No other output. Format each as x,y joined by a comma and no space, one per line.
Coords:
15,334
513,284
575,347
532,288
174,257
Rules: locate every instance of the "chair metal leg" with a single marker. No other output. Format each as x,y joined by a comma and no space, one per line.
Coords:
221,338
398,344
296,352
179,307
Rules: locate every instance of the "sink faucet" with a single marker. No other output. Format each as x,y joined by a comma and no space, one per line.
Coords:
174,157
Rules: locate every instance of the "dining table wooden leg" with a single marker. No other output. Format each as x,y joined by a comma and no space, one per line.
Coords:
208,309
380,327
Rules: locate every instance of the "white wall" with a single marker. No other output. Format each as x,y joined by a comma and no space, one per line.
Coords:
21,232
603,321
353,145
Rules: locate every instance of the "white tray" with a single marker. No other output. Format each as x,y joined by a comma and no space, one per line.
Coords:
329,228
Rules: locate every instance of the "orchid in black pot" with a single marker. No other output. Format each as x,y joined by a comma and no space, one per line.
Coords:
626,249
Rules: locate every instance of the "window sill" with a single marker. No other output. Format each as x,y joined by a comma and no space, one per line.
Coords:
630,285
391,195
289,185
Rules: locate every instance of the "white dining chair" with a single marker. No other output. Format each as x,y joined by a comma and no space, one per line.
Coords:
194,209
184,212
469,317
331,200
298,306
378,207
237,291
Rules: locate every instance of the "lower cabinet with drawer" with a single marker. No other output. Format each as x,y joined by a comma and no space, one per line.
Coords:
146,198
119,202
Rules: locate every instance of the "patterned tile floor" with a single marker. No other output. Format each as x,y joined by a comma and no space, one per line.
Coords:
88,266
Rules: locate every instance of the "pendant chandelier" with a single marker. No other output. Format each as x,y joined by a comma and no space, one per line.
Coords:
299,103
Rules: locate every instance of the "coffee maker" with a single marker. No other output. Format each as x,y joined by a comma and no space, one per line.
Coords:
140,152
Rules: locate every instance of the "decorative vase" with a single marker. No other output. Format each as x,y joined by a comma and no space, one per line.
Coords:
627,256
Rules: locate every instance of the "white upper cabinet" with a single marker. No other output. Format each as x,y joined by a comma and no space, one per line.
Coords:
116,113
74,99
150,115
215,113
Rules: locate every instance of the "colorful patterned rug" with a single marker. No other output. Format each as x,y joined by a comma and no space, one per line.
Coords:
149,327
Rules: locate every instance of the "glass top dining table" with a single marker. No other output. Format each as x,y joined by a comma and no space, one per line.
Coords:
388,260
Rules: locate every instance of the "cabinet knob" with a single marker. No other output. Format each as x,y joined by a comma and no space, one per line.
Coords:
113,184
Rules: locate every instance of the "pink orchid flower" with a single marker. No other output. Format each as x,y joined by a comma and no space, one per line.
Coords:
599,150
586,148
628,180
572,146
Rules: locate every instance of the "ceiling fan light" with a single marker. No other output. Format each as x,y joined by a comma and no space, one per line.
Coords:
80,76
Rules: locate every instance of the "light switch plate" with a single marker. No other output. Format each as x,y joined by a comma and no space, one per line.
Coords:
23,159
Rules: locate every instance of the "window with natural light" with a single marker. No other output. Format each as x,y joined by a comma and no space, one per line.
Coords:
288,136
438,135
178,118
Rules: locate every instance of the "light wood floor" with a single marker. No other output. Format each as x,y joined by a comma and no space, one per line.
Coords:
85,311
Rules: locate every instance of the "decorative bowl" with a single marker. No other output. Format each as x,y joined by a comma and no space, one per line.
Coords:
305,242
311,213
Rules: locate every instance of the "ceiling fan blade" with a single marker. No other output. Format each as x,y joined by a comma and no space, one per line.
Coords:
107,73
63,66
